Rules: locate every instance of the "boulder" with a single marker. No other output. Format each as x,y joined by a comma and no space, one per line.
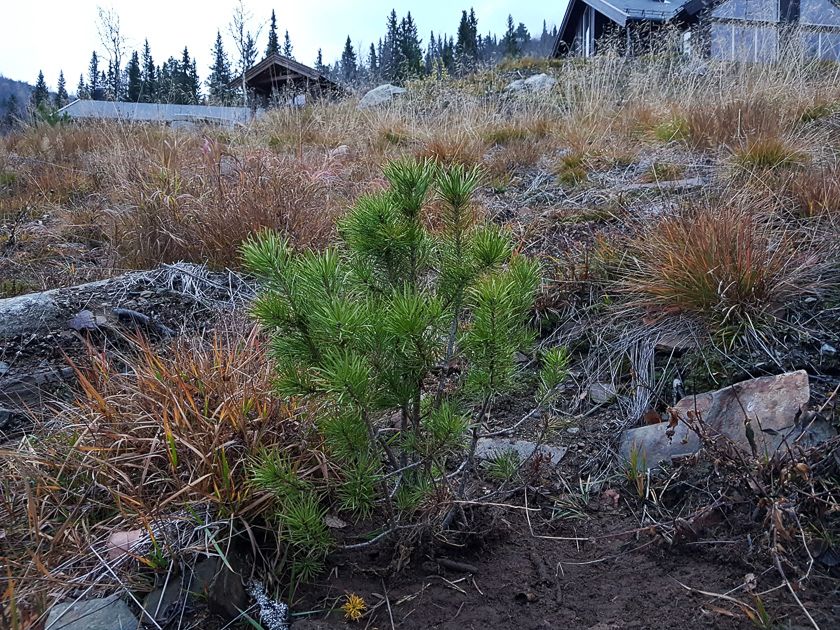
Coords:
380,95
771,403
108,613
536,83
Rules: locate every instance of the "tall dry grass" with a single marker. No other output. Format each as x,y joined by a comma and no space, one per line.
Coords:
154,436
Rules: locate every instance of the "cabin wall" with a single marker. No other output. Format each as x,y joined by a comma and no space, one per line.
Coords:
753,30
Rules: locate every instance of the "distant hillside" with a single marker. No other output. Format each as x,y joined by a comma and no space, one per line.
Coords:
19,89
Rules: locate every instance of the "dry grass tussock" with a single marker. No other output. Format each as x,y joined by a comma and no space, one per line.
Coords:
727,264
173,434
201,208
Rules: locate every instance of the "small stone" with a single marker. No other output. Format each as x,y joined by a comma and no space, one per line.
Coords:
83,320
828,349
4,368
108,613
488,448
573,430
601,392
773,400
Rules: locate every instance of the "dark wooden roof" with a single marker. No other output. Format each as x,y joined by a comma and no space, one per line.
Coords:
276,69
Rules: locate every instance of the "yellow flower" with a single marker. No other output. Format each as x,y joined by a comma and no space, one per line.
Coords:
354,607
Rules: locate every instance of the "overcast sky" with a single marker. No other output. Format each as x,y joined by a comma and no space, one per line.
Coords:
53,35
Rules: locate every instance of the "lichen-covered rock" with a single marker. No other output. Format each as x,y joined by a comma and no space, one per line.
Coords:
380,95
536,83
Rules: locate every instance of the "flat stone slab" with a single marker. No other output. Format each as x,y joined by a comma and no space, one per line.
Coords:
490,448
771,403
108,613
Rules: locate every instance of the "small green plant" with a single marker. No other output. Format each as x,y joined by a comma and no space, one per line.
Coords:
572,169
674,130
14,287
636,471
359,332
7,178
299,515
817,112
504,465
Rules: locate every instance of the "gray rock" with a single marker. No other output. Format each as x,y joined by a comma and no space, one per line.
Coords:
828,349
108,613
770,402
489,448
380,95
536,83
601,392
25,314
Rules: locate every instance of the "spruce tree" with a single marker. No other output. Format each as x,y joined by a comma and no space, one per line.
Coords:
94,79
523,38
61,96
148,89
410,54
220,75
349,63
273,44
373,63
510,46
134,79
319,63
41,94
390,57
287,46
81,89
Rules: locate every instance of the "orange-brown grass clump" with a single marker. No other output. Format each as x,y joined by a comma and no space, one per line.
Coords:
451,149
815,192
722,264
202,213
766,153
711,126
172,434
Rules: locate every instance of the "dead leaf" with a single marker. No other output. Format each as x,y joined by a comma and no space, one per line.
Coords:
121,542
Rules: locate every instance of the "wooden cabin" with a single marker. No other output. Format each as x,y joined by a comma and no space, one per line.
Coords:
278,79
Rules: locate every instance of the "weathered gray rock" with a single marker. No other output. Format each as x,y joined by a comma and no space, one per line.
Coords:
380,95
108,613
26,314
770,402
601,392
536,83
489,448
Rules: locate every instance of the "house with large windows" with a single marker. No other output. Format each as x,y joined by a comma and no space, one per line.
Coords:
737,30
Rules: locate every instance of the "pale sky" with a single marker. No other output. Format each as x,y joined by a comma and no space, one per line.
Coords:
53,35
